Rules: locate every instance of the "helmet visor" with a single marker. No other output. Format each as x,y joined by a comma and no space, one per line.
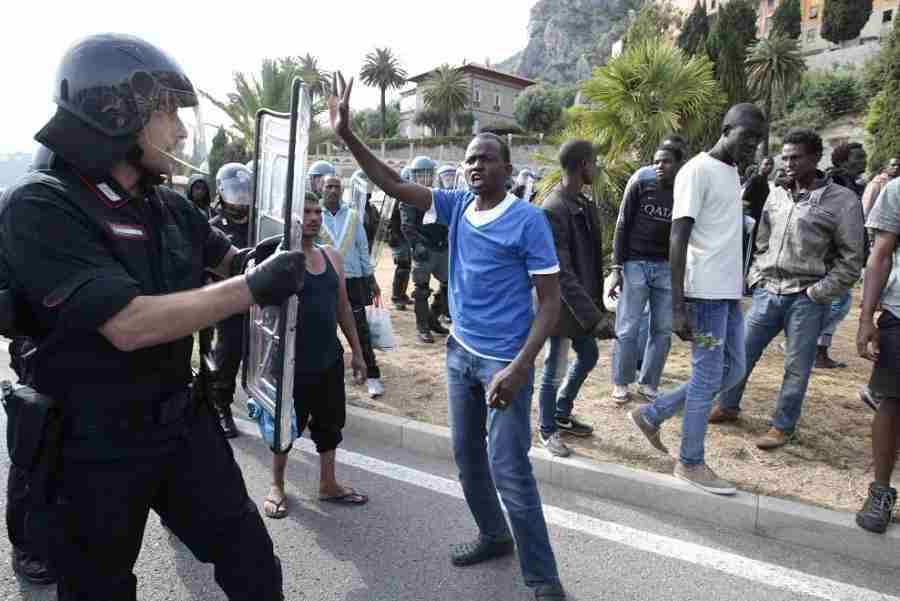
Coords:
423,177
236,191
447,180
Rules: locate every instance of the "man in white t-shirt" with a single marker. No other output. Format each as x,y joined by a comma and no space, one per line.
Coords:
707,284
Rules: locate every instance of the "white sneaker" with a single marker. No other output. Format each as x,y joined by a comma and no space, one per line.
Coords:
648,392
554,444
620,394
376,388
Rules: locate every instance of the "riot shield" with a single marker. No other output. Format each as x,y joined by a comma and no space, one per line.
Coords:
461,183
385,205
529,189
277,210
359,191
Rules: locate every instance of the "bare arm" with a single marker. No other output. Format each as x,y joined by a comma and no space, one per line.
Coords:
379,173
878,268
681,235
151,320
344,311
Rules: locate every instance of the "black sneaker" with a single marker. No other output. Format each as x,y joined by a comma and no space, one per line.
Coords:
467,554
32,568
546,592
572,426
878,508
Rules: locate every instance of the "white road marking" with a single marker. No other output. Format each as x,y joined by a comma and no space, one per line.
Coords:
723,561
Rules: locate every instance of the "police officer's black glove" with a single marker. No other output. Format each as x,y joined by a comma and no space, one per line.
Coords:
420,252
277,278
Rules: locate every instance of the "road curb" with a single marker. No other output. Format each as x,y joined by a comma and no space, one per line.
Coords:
777,519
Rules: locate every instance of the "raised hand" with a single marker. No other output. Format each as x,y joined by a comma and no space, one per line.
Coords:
339,104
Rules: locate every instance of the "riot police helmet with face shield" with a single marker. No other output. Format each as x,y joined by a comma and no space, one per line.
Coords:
446,177
118,98
406,174
317,173
422,170
234,189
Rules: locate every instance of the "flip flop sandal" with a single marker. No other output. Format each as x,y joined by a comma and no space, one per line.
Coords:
351,497
281,508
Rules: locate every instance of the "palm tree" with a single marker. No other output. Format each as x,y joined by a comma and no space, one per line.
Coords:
774,67
446,92
317,80
647,92
272,91
382,69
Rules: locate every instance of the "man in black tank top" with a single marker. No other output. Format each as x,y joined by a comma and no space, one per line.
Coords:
319,397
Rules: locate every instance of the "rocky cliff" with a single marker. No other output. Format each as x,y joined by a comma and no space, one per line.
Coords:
566,38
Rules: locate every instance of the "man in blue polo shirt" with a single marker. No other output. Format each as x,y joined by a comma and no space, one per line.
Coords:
500,248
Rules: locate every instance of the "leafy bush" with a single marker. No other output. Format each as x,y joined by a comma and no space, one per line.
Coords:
538,108
837,92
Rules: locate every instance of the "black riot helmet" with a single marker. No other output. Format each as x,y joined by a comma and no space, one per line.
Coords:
234,188
107,88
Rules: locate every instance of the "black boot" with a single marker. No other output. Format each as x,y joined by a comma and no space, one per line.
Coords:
823,361
226,420
435,325
398,289
878,508
423,315
32,568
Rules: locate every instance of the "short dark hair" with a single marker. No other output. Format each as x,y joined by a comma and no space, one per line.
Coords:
575,153
841,153
810,140
504,147
670,140
676,151
312,197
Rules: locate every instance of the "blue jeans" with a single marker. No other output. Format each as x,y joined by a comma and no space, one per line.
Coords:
491,451
718,363
644,282
838,310
801,319
559,405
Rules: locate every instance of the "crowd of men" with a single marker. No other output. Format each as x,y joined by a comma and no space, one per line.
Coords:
111,314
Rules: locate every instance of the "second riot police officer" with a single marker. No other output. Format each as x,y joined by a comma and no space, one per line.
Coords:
108,266
234,192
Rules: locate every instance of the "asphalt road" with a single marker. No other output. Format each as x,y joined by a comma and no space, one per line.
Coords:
395,548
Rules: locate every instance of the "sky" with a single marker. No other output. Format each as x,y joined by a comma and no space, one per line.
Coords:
211,40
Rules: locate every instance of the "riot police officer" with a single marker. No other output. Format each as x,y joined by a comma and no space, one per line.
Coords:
107,266
316,175
402,254
429,254
233,195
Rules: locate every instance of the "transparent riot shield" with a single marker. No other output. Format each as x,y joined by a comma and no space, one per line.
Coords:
749,227
461,183
385,205
529,189
359,191
277,210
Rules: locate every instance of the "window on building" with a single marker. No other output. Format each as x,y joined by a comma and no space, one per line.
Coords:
810,34
813,11
497,104
476,100
712,4
771,3
887,16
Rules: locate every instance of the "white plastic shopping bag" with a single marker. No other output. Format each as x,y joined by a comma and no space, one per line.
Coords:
380,329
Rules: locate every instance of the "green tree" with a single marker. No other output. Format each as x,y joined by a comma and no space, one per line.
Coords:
695,30
317,80
464,123
367,122
733,31
432,119
382,70
446,91
225,150
655,20
883,118
272,90
538,108
786,19
647,92
774,68
842,20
